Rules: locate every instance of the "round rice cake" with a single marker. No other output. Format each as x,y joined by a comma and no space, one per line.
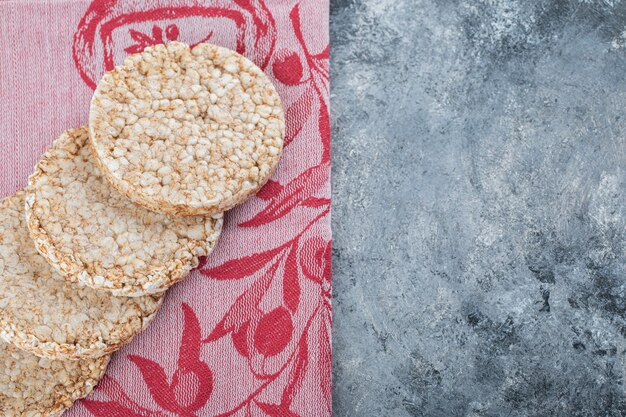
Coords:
187,131
45,314
34,387
96,236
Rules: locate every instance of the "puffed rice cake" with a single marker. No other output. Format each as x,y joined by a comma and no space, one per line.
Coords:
96,236
187,131
44,314
34,387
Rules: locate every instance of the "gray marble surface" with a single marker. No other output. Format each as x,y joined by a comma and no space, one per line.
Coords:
479,211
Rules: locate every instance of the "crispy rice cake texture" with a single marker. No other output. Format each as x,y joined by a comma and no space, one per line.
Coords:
187,131
95,236
31,386
47,315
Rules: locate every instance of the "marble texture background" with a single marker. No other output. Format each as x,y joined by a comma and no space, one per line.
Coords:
479,169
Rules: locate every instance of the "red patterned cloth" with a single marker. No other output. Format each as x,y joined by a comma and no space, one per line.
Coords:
248,333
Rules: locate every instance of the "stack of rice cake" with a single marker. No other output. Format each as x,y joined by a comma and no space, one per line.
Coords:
117,212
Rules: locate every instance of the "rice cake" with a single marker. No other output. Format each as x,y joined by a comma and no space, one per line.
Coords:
34,387
45,314
31,386
96,236
187,131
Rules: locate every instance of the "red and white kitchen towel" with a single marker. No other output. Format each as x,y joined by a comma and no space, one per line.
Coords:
248,333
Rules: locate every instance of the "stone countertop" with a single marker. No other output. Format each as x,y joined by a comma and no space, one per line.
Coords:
479,219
